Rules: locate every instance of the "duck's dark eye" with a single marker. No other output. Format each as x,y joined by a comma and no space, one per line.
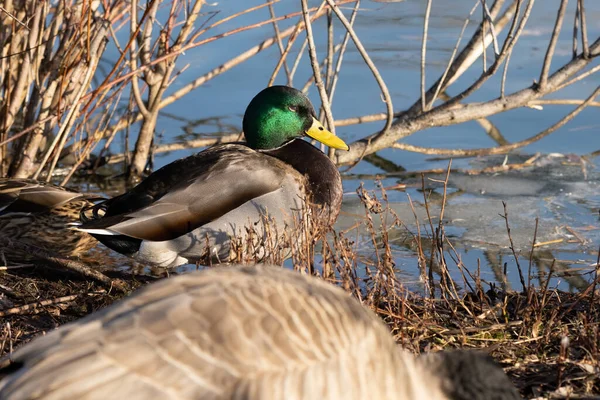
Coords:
293,108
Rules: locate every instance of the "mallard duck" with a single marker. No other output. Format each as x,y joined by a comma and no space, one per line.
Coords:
189,210
37,215
254,332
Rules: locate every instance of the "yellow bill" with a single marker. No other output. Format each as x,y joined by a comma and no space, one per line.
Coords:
318,132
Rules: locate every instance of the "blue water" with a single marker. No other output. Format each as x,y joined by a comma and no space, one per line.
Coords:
391,32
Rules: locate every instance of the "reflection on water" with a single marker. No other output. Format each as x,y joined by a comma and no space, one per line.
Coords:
564,199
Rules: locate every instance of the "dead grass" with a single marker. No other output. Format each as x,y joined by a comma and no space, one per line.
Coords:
36,300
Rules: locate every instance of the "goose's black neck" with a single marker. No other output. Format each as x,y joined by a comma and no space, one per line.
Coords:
324,180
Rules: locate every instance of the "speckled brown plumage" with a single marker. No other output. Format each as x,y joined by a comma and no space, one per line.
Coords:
249,333
228,333
36,214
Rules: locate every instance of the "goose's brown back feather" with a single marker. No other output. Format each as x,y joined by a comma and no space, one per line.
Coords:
228,333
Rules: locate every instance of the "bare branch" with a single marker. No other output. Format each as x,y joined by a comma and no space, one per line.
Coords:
488,16
576,21
106,85
233,62
466,58
578,78
330,45
505,73
441,116
507,48
484,45
506,148
96,50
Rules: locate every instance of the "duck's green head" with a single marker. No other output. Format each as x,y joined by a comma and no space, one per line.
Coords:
281,113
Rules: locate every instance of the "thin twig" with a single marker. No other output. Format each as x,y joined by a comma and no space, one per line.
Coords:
576,21
505,75
578,78
381,116
14,18
174,53
314,61
9,267
74,111
40,304
552,45
512,247
279,42
330,45
329,70
311,79
452,112
382,86
338,65
299,56
284,55
438,86
237,60
484,23
424,54
508,40
133,62
488,16
585,47
596,281
533,246
467,56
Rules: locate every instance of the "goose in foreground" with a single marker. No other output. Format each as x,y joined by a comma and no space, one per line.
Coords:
253,332
189,210
37,214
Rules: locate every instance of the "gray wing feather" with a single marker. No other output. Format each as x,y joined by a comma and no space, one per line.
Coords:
34,196
230,182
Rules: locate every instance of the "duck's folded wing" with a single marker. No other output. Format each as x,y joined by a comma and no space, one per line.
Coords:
18,195
196,200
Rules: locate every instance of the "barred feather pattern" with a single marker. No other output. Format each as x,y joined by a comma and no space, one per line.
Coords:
256,332
37,215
